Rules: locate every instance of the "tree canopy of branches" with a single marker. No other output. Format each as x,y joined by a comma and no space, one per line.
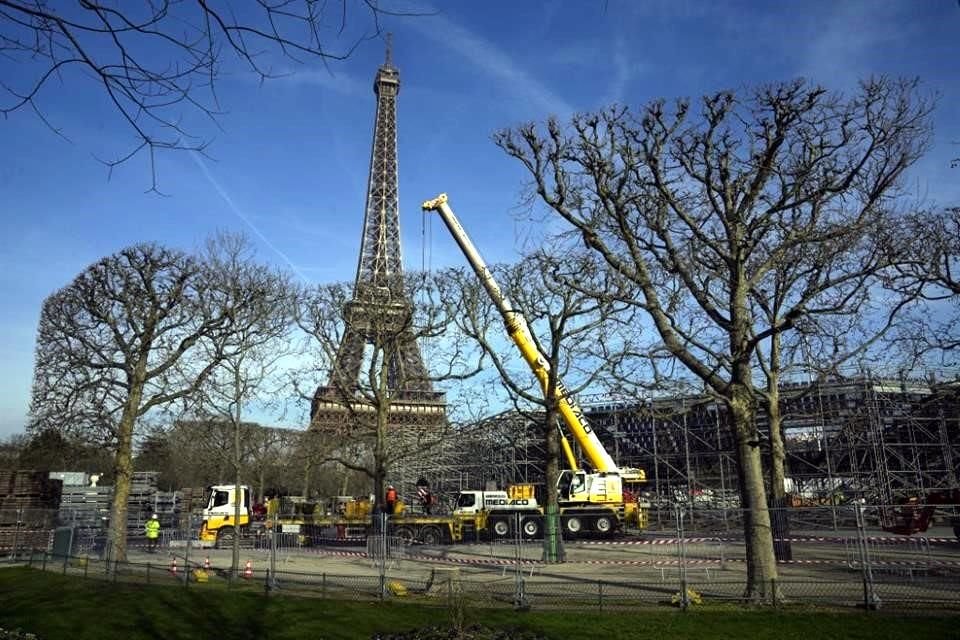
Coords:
126,338
49,449
703,213
932,239
197,453
156,62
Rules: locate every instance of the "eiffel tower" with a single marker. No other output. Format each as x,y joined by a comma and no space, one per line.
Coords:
380,302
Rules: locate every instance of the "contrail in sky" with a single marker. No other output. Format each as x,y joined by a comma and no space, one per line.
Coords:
237,212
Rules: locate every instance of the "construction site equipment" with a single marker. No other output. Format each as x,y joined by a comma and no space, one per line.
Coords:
219,522
596,501
591,502
478,514
915,514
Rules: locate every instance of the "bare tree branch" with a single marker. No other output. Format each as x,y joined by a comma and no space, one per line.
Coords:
157,63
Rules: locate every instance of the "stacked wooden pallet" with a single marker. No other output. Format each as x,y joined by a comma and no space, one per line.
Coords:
25,539
28,489
190,501
28,501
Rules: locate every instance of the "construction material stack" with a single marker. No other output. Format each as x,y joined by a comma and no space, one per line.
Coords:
28,508
82,504
190,501
145,499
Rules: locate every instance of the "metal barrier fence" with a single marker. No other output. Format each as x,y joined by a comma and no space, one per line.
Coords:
861,565
447,586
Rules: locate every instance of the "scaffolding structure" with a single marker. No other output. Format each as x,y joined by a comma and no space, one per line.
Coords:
864,437
503,449
877,439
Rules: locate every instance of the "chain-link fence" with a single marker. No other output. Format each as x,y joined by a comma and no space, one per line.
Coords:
699,559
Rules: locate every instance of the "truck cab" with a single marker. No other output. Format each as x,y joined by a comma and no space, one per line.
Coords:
473,502
219,513
579,486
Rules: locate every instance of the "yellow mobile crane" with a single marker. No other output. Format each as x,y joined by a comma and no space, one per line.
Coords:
589,502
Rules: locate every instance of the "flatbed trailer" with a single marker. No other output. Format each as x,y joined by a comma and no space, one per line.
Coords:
594,521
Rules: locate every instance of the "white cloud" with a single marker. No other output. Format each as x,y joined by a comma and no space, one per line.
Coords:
339,83
232,206
850,42
304,76
489,58
624,70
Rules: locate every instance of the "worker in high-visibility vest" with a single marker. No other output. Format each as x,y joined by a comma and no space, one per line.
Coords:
153,533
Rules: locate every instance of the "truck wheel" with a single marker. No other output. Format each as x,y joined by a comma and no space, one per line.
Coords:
500,527
405,533
225,537
531,527
573,525
431,535
604,525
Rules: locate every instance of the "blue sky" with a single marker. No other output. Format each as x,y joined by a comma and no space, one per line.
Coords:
290,157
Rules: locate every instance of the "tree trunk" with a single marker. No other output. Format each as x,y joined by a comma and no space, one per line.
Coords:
262,481
777,450
123,471
307,468
761,561
779,503
237,487
380,446
552,550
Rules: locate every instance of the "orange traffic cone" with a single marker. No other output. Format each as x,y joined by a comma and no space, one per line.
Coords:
248,570
206,563
173,566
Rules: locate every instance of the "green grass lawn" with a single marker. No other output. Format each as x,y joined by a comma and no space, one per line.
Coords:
55,606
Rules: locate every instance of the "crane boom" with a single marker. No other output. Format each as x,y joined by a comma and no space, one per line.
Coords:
519,331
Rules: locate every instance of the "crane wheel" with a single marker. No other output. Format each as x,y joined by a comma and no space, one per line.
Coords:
225,537
405,533
531,527
431,535
603,525
500,527
573,525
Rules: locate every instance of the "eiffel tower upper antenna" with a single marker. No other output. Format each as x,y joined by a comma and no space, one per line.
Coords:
389,60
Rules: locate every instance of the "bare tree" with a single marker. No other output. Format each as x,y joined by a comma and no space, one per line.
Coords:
126,338
248,355
157,63
202,451
376,427
567,328
10,450
699,214
856,309
269,450
314,455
